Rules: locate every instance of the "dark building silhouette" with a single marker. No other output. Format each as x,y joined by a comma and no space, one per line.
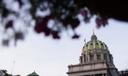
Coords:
123,73
33,74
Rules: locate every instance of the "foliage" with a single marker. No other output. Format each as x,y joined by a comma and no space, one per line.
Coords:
4,73
62,13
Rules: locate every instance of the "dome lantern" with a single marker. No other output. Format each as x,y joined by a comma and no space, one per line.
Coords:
93,37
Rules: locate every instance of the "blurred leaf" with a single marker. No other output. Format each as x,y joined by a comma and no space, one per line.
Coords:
55,35
9,24
19,36
20,2
5,42
74,23
5,12
75,36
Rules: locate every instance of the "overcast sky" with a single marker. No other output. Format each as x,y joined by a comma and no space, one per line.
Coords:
51,57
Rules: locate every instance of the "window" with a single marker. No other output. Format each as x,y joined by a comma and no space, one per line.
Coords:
102,46
91,57
97,45
91,45
84,58
98,56
105,56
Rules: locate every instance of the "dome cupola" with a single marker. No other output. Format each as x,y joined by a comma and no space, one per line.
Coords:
94,43
93,37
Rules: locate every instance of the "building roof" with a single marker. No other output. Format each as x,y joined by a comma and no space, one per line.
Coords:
33,74
94,43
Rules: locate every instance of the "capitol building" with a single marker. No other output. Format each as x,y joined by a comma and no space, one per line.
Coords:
95,60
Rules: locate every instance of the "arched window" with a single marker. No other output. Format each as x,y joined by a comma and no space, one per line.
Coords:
97,45
102,46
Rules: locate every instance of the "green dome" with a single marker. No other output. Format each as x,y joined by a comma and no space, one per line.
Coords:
94,44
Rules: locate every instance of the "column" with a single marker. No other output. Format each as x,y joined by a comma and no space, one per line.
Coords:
102,57
88,57
95,57
84,58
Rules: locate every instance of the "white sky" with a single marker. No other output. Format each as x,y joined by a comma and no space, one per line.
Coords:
51,57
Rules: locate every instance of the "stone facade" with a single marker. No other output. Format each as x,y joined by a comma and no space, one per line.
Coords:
95,60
